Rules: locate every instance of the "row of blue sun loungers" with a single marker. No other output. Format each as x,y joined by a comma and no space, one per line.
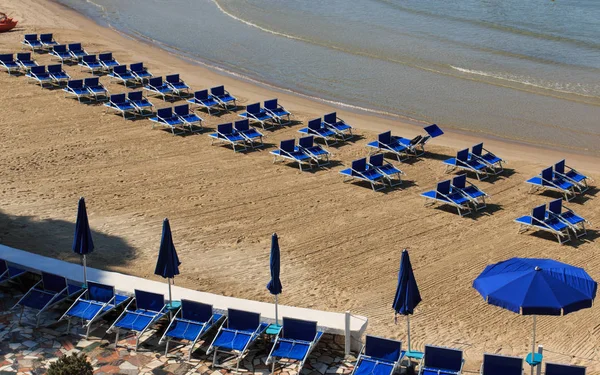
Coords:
560,178
86,89
557,219
376,172
103,63
306,153
480,161
135,75
130,105
50,76
459,193
404,148
41,43
239,135
21,64
177,119
330,129
270,115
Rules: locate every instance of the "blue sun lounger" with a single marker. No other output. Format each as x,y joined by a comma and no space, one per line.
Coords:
40,75
121,105
143,106
462,161
96,89
437,360
224,98
47,292
443,194
178,86
77,51
61,53
91,62
8,62
157,87
316,128
121,74
257,114
547,181
97,301
188,118
287,151
166,117
25,61
203,100
575,222
192,321
561,170
294,342
416,146
539,221
253,136
140,72
387,143
57,73
316,152
236,334
560,369
339,126
108,61
468,190
392,174
501,365
149,309
48,41
226,134
8,272
75,87
32,41
379,356
494,162
361,171
280,114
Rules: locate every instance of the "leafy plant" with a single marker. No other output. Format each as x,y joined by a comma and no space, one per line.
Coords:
71,365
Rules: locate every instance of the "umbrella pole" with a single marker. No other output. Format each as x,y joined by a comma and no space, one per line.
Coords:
170,302
533,343
84,271
276,312
408,330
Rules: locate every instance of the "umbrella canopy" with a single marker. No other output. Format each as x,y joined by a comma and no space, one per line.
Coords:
274,285
82,242
168,262
407,292
530,286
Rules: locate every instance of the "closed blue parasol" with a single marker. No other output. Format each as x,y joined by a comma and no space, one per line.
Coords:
407,292
530,286
274,286
82,241
168,262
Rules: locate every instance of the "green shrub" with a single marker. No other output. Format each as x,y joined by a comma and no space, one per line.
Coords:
71,365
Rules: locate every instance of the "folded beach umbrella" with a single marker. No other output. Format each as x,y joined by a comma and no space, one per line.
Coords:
168,262
407,292
82,241
530,286
274,286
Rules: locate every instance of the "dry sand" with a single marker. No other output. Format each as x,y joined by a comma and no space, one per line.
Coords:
341,243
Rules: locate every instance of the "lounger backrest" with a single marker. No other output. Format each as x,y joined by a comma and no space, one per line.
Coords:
376,160
100,292
61,48
182,110
463,155
547,174
385,138
477,149
196,311
314,124
120,69
92,82
75,47
560,369
201,95
117,98
501,365
330,118
55,68
89,59
31,37
434,130
218,91
555,206
443,187
306,142
165,112
37,70
560,167
46,38
137,67
3,266
24,56
53,283
75,84
107,56
287,145
359,165
173,78
460,181
443,358
297,329
6,57
149,301
539,212
271,104
242,125
156,81
225,128
416,140
253,108
385,349
135,95
242,320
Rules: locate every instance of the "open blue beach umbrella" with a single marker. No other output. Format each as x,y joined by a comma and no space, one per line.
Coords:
168,262
274,286
407,292
530,286
82,241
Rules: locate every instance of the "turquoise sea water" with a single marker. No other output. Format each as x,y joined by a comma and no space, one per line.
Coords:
521,70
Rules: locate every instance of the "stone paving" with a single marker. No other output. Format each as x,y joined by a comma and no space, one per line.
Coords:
25,349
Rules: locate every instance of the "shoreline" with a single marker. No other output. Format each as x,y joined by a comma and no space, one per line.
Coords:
363,118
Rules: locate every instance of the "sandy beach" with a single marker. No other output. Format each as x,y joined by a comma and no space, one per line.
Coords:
341,243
